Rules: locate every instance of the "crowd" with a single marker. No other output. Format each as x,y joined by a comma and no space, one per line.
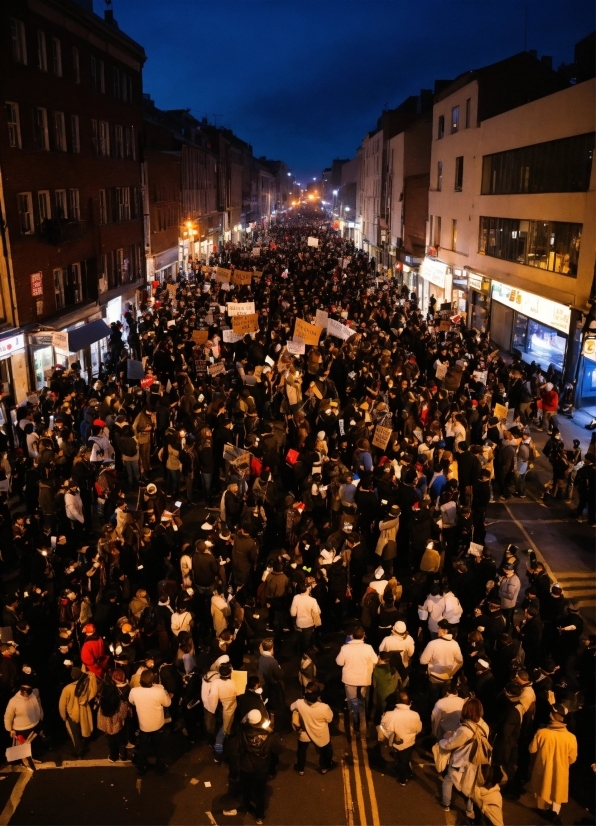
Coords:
344,487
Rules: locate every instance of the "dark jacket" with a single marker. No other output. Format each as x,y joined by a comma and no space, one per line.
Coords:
205,569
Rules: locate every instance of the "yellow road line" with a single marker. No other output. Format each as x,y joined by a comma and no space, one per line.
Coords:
15,798
358,782
369,779
348,801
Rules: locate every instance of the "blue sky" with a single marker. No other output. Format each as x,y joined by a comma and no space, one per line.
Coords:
304,80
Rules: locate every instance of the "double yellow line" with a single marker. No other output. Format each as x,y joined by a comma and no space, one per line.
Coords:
362,775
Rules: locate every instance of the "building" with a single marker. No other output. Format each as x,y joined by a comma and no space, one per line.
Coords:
511,238
345,200
70,184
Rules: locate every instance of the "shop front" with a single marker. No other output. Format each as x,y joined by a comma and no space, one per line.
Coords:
536,327
49,349
459,293
435,280
164,264
13,367
478,301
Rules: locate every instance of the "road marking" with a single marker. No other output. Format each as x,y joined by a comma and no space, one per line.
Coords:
212,820
369,780
348,801
15,798
358,782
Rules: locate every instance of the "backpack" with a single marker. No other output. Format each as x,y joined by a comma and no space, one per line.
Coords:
481,753
109,702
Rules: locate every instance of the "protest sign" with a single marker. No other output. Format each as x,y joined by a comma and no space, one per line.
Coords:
230,337
134,369
381,436
309,333
475,549
216,369
501,411
297,347
256,251
172,290
312,242
322,319
481,376
444,326
222,275
241,277
441,371
200,336
243,324
240,308
335,328
257,274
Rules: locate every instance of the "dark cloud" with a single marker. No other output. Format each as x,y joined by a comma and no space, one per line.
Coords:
304,80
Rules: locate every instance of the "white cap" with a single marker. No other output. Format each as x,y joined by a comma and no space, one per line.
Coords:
254,717
321,435
379,572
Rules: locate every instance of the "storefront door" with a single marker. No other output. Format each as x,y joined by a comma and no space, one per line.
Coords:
501,325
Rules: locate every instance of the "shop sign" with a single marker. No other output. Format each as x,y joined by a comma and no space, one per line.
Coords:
541,309
50,339
9,345
589,348
475,281
434,271
36,284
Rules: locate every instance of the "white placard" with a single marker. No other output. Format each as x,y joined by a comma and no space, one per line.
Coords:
230,337
441,371
334,328
297,347
312,242
244,308
256,251
475,549
269,361
322,319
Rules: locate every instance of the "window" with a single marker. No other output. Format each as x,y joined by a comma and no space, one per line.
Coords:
59,288
129,143
76,68
440,176
103,207
123,200
547,245
14,124
554,166
25,205
116,80
75,209
126,88
42,52
76,283
19,42
468,112
104,139
441,127
44,206
459,173
437,231
94,136
93,69
59,132
454,119
40,128
60,207
75,140
118,142
57,56
454,234
101,76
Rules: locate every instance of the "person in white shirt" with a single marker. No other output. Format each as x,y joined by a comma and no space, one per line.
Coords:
307,616
405,724
23,712
74,504
399,640
357,660
452,611
379,583
224,691
446,714
435,605
443,658
315,717
150,701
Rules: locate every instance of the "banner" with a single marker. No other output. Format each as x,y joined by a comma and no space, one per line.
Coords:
441,371
309,333
322,319
243,308
312,242
241,277
243,324
334,328
200,336
230,337
500,411
381,437
222,275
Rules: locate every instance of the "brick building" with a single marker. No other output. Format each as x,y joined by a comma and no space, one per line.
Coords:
70,179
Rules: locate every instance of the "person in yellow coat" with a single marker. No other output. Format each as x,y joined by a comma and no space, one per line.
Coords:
75,707
556,749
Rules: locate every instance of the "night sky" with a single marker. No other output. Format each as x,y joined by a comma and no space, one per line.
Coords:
304,80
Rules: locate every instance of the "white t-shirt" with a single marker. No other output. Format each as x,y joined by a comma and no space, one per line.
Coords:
150,703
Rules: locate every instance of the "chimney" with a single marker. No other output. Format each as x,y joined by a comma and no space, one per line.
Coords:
547,60
533,53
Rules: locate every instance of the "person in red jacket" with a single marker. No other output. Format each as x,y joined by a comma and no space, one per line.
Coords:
550,404
93,652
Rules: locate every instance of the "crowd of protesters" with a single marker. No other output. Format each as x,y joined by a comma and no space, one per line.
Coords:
345,488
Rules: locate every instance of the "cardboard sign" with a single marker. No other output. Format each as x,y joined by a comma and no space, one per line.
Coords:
296,347
172,289
444,326
441,371
241,277
334,328
381,437
475,549
309,333
240,308
19,752
501,411
312,242
222,275
216,369
243,324
322,318
240,679
257,274
200,336
493,355
256,251
230,337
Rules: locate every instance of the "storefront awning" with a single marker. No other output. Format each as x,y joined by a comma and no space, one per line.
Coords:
87,334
